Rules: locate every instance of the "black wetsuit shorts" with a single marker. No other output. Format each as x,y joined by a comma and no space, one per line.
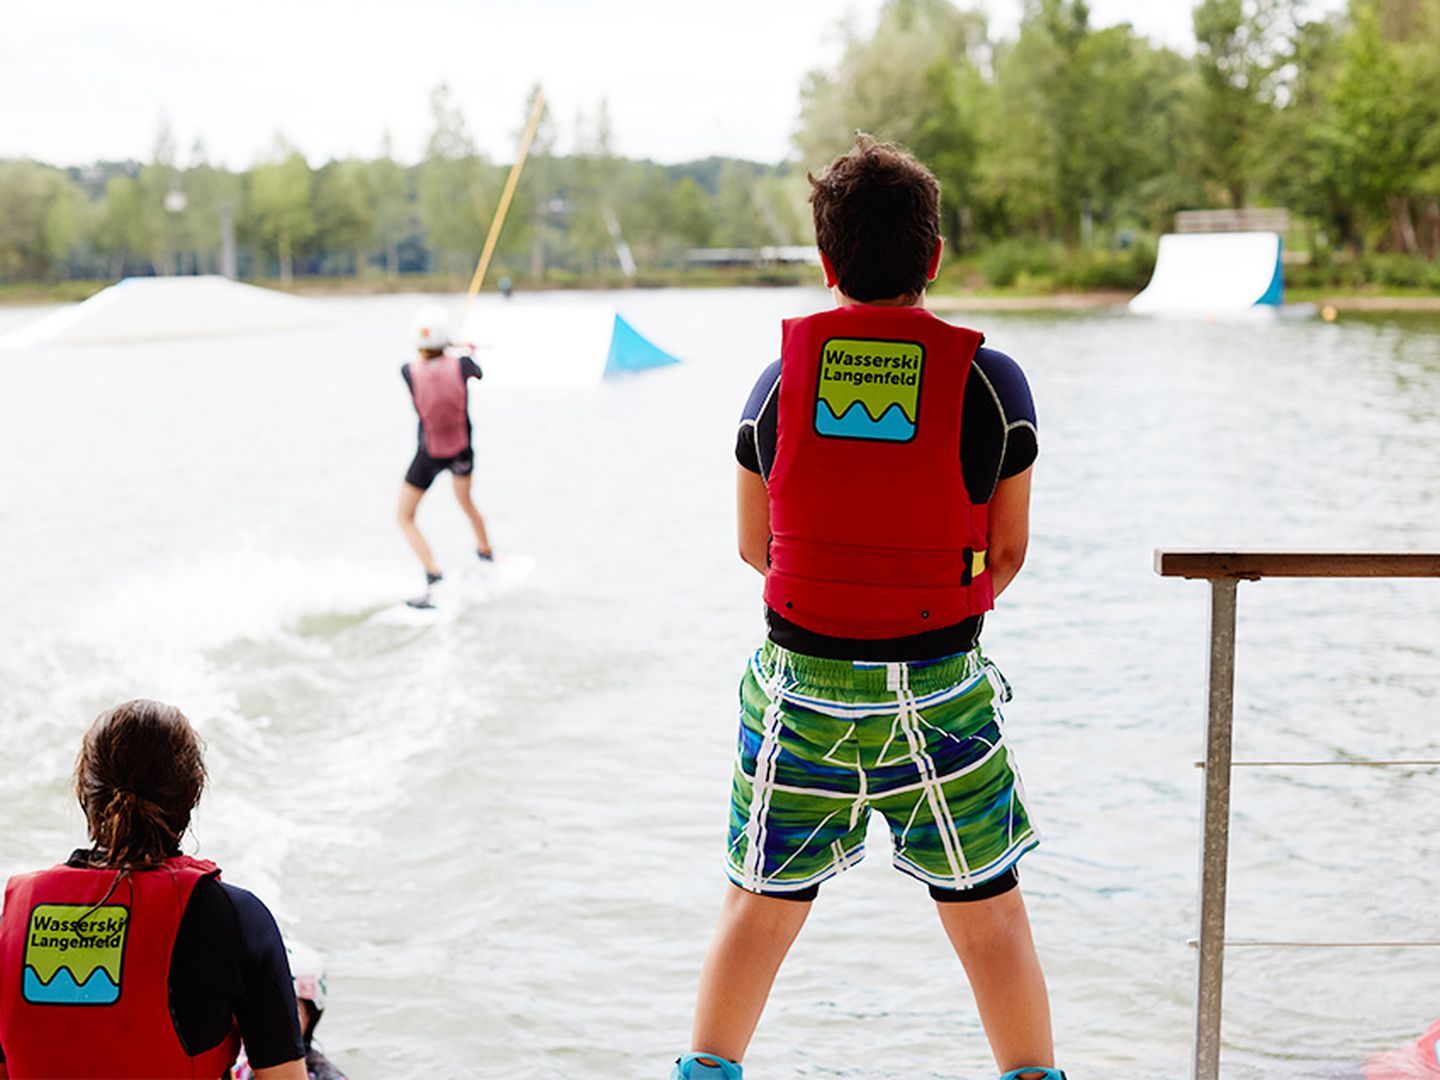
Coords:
424,468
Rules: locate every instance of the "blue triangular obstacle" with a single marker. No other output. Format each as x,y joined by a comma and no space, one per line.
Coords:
632,351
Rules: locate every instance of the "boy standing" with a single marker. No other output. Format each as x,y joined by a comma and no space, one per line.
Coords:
884,491
438,380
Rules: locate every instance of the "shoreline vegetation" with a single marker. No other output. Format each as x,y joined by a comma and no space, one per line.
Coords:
1064,150
947,297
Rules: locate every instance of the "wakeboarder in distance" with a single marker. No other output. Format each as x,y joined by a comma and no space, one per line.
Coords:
438,379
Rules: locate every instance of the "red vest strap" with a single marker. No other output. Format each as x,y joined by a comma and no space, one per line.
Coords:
873,534
89,953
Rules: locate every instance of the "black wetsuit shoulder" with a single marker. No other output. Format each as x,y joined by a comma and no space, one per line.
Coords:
469,369
229,964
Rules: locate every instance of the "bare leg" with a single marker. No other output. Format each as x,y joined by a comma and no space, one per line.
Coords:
992,939
753,936
410,497
462,496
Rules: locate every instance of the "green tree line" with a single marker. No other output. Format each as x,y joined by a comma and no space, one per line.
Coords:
1062,152
378,217
1072,137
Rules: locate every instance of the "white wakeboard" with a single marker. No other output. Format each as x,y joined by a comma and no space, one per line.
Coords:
461,590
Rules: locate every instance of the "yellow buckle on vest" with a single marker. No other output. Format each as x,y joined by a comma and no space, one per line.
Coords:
974,566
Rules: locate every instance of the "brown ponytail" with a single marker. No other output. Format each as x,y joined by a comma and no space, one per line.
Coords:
139,775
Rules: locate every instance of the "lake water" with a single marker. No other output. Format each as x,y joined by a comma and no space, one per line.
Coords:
505,830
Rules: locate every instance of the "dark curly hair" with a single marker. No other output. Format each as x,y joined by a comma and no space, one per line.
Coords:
139,775
877,217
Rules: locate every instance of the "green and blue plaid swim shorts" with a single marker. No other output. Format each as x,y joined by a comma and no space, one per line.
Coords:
823,742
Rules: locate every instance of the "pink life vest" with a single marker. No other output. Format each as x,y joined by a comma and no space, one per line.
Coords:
85,971
1421,1059
438,387
873,534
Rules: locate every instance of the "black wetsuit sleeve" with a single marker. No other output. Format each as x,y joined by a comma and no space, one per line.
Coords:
997,432
410,385
469,369
265,1010
755,441
1022,440
229,966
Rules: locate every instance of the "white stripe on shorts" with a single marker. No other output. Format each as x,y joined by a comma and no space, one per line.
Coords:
762,784
934,793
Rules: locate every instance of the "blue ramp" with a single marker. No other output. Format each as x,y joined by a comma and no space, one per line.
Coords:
632,351
1275,293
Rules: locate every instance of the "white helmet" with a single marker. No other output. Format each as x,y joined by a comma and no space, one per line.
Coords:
432,327
307,968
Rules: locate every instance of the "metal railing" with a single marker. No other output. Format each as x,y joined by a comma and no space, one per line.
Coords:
1225,570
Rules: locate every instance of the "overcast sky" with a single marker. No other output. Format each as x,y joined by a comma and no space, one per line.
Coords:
88,79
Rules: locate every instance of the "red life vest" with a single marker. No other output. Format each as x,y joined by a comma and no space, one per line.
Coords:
95,1001
873,534
438,386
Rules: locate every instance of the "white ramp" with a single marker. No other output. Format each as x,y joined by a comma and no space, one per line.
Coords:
167,308
553,344
540,345
1212,274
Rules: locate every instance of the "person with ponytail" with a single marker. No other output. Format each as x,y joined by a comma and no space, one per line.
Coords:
131,960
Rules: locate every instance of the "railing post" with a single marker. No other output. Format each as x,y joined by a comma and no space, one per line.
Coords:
1225,570
1215,842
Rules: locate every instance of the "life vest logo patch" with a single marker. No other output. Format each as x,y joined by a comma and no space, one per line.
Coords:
869,389
74,954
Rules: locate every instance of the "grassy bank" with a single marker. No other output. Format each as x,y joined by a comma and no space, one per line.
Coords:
1366,298
963,286
718,277
19,294
62,292
1350,301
